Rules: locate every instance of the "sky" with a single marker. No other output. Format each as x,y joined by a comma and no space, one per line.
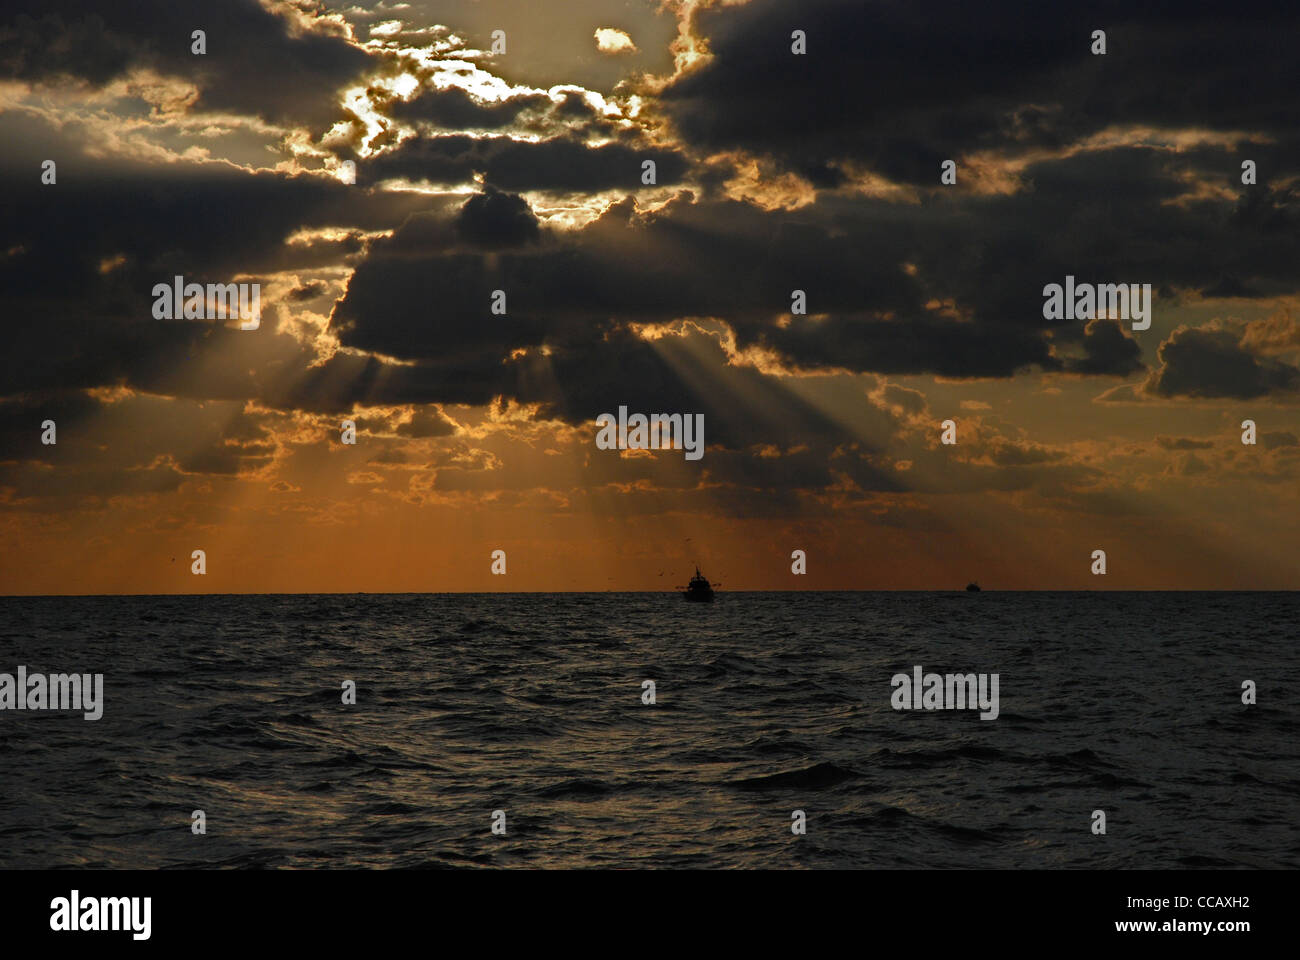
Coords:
380,169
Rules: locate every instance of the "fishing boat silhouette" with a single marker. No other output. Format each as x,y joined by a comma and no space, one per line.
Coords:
699,589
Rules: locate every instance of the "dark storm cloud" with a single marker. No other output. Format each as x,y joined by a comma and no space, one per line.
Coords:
437,312
1229,287
731,260
69,43
1273,213
1104,216
162,216
21,419
559,163
726,260
495,219
79,260
1108,351
347,379
900,87
1101,217
1211,363
920,344
256,63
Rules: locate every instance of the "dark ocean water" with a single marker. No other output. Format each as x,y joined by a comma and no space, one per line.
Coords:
767,703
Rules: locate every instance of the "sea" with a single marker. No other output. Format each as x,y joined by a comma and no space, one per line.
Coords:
519,731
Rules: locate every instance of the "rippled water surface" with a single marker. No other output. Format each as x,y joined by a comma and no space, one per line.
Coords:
767,703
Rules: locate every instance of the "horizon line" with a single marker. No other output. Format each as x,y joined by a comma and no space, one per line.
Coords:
671,592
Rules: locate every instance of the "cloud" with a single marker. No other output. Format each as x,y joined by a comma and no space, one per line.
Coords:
1279,438
1210,362
1108,350
865,95
1183,443
494,219
906,399
281,63
610,40
562,162
1229,287
454,108
1190,465
775,173
726,260
426,423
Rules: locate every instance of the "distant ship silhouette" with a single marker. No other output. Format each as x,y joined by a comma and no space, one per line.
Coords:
699,589
972,587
